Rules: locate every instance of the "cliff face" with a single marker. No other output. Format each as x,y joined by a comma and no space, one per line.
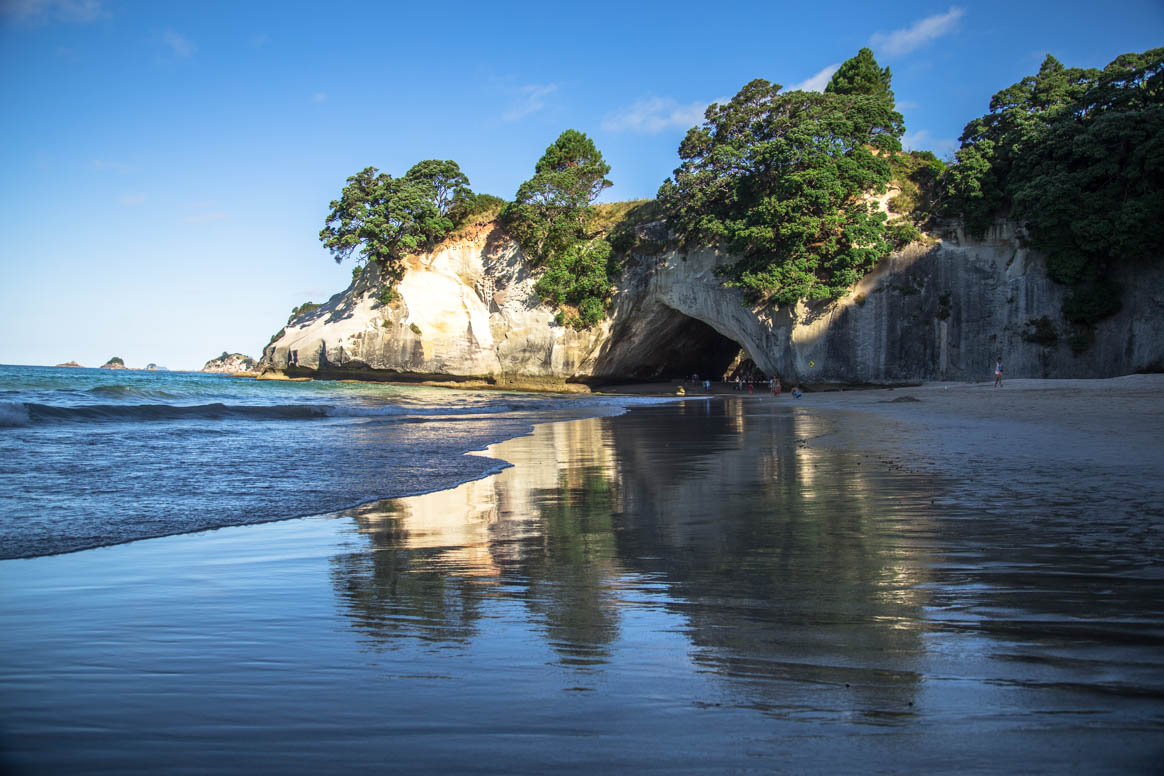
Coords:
930,312
466,310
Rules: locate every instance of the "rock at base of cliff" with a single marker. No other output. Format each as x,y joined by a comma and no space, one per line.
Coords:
229,363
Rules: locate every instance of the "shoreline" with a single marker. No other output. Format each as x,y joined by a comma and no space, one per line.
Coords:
657,587
528,426
1065,422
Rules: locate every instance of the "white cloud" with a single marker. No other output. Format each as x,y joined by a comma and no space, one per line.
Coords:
918,34
132,200
656,114
76,11
178,43
528,99
205,218
110,165
818,82
319,97
921,141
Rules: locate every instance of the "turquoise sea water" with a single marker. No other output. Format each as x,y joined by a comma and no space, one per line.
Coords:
92,457
709,586
683,589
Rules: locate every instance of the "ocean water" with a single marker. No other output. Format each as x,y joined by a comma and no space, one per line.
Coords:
702,587
94,457
723,586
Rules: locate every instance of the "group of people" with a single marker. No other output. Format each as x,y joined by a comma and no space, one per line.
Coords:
775,386
694,380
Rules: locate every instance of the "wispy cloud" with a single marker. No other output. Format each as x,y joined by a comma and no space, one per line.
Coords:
818,82
132,200
319,97
205,218
179,44
111,165
260,40
528,99
36,11
656,114
918,34
922,141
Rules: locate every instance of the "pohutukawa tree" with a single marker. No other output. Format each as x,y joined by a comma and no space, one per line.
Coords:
387,218
1077,156
783,178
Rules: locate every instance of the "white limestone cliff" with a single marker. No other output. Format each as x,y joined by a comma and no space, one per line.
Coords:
937,311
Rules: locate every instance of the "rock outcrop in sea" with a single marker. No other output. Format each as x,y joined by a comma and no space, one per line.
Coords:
114,363
939,310
71,365
229,363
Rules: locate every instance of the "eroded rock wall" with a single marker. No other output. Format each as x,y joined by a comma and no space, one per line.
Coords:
467,309
936,311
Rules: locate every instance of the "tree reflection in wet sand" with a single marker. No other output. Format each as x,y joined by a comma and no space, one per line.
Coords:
810,584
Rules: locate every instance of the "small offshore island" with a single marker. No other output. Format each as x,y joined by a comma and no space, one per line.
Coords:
936,573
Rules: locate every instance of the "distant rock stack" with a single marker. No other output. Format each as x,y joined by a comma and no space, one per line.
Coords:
230,363
71,365
114,363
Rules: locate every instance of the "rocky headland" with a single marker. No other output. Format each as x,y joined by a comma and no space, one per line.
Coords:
941,309
229,363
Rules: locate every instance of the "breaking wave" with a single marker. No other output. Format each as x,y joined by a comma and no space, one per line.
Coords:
22,414
13,414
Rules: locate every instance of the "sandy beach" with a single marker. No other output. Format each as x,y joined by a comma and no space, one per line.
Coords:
976,430
935,578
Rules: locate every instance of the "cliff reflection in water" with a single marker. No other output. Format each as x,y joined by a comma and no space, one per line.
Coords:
778,562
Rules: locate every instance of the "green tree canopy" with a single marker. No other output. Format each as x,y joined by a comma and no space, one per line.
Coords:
551,210
782,179
387,218
861,75
550,218
443,180
1076,156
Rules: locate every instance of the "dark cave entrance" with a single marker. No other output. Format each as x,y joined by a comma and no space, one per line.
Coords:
677,346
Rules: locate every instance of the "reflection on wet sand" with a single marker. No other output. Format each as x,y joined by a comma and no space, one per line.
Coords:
794,571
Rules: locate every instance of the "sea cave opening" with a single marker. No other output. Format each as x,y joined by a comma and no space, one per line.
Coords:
670,345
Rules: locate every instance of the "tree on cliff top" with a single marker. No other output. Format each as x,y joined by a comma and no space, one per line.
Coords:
1077,156
551,210
861,75
782,179
550,218
387,218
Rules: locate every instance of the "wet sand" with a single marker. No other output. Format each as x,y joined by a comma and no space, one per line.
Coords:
970,582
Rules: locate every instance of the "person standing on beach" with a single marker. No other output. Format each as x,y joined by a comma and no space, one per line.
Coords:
998,373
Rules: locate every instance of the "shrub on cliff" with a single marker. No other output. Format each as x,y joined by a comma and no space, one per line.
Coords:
551,218
1077,156
782,179
302,309
387,218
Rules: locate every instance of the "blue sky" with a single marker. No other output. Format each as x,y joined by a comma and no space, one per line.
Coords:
168,165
